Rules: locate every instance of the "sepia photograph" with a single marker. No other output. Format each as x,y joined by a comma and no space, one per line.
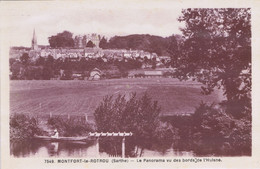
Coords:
130,83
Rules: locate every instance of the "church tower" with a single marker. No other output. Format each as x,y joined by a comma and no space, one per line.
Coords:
34,41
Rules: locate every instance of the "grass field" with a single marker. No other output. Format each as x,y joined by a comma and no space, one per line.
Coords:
82,97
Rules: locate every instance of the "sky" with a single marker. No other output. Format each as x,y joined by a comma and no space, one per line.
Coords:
84,17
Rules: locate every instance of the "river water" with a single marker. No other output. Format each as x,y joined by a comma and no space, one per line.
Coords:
113,148
82,149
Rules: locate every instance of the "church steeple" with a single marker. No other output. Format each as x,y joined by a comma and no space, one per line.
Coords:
34,41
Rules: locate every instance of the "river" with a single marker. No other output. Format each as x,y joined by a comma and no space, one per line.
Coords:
36,148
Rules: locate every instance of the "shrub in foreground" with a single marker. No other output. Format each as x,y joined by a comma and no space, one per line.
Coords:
70,127
22,127
215,129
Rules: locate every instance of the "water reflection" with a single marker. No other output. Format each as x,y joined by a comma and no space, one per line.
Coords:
112,148
38,148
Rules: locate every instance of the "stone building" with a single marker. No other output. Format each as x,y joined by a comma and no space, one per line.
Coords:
81,40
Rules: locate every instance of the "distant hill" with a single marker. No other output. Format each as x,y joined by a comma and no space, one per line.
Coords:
149,43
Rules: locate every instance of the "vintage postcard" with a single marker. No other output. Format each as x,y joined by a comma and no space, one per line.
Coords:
105,84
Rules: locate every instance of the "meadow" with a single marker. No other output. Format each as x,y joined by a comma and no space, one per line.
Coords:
82,97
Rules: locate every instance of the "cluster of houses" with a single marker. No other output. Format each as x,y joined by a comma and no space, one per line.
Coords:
88,53
80,52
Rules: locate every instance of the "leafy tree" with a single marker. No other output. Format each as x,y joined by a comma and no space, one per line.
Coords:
153,62
15,68
103,43
90,44
84,40
217,52
11,61
37,74
137,115
32,72
40,61
47,73
22,127
213,128
173,50
146,60
67,75
157,46
25,58
63,39
50,61
82,64
70,127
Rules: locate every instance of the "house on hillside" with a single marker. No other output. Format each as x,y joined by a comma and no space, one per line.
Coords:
76,75
145,73
16,52
93,52
89,52
95,74
136,73
153,73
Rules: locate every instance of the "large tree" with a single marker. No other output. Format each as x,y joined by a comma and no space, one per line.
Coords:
137,115
63,39
217,52
25,59
173,48
103,43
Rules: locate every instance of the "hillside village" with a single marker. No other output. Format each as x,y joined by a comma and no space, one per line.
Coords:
144,64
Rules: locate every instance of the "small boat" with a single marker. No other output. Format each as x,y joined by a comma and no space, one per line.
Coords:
47,138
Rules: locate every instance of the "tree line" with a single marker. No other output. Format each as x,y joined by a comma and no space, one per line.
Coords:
149,43
46,68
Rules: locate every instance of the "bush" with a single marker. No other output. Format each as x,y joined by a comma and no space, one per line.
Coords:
218,130
71,127
164,136
137,115
22,127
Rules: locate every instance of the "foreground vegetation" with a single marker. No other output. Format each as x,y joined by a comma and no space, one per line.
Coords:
209,131
23,127
71,127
